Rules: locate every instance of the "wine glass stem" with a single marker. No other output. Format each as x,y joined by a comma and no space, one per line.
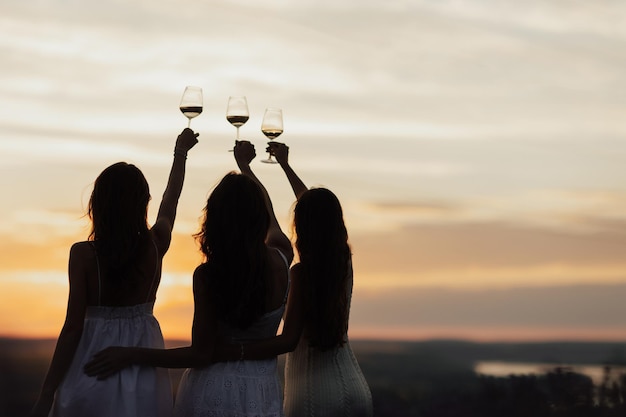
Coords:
189,123
237,132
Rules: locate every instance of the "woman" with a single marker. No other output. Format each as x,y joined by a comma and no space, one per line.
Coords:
113,280
239,296
322,375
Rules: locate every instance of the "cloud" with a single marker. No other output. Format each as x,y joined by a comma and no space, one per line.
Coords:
566,306
565,311
481,254
568,210
426,207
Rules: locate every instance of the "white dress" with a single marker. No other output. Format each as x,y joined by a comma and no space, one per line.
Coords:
325,383
137,391
248,388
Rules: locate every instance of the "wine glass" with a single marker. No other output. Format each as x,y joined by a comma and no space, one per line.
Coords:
272,127
191,102
237,111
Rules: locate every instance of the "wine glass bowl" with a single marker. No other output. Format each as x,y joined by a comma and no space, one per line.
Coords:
237,112
191,102
272,127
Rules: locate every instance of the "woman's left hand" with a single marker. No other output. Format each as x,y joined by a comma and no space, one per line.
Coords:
109,361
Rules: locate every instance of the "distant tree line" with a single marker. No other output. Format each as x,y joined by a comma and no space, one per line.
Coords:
559,393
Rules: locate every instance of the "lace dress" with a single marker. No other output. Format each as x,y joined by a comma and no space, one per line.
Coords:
239,388
133,392
325,384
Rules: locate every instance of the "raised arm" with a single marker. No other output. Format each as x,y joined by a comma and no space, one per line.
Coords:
281,152
70,334
244,154
164,224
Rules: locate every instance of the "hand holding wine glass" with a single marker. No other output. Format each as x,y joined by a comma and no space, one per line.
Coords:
237,112
244,153
191,102
272,127
280,151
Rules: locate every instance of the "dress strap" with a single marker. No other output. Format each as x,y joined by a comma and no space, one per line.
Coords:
93,245
282,255
156,270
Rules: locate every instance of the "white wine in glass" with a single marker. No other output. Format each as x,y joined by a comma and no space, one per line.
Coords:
272,127
237,112
191,102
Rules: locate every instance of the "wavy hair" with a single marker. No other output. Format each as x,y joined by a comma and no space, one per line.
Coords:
322,244
232,239
118,209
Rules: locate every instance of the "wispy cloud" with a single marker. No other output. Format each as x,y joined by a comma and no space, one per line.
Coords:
487,254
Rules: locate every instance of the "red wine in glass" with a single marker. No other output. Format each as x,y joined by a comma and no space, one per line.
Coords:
191,102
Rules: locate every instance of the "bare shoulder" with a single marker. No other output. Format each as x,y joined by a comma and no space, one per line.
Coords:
82,259
297,284
200,276
296,271
200,270
82,251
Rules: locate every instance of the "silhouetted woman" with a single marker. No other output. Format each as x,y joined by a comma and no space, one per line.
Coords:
322,375
113,279
239,296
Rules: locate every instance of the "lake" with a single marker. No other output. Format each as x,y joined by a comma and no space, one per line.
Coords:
505,368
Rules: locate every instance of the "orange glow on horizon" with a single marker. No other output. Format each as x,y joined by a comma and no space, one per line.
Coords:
37,309
34,300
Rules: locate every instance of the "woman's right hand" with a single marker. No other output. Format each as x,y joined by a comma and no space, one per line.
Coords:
186,140
244,152
280,152
109,361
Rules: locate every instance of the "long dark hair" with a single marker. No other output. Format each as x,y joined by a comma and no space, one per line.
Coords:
118,209
232,238
322,243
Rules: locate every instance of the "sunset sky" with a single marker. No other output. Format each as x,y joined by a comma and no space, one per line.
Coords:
478,148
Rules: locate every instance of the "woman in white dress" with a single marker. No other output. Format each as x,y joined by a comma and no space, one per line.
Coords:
239,296
113,279
322,375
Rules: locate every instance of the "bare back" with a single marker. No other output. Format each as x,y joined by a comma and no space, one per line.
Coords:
105,291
